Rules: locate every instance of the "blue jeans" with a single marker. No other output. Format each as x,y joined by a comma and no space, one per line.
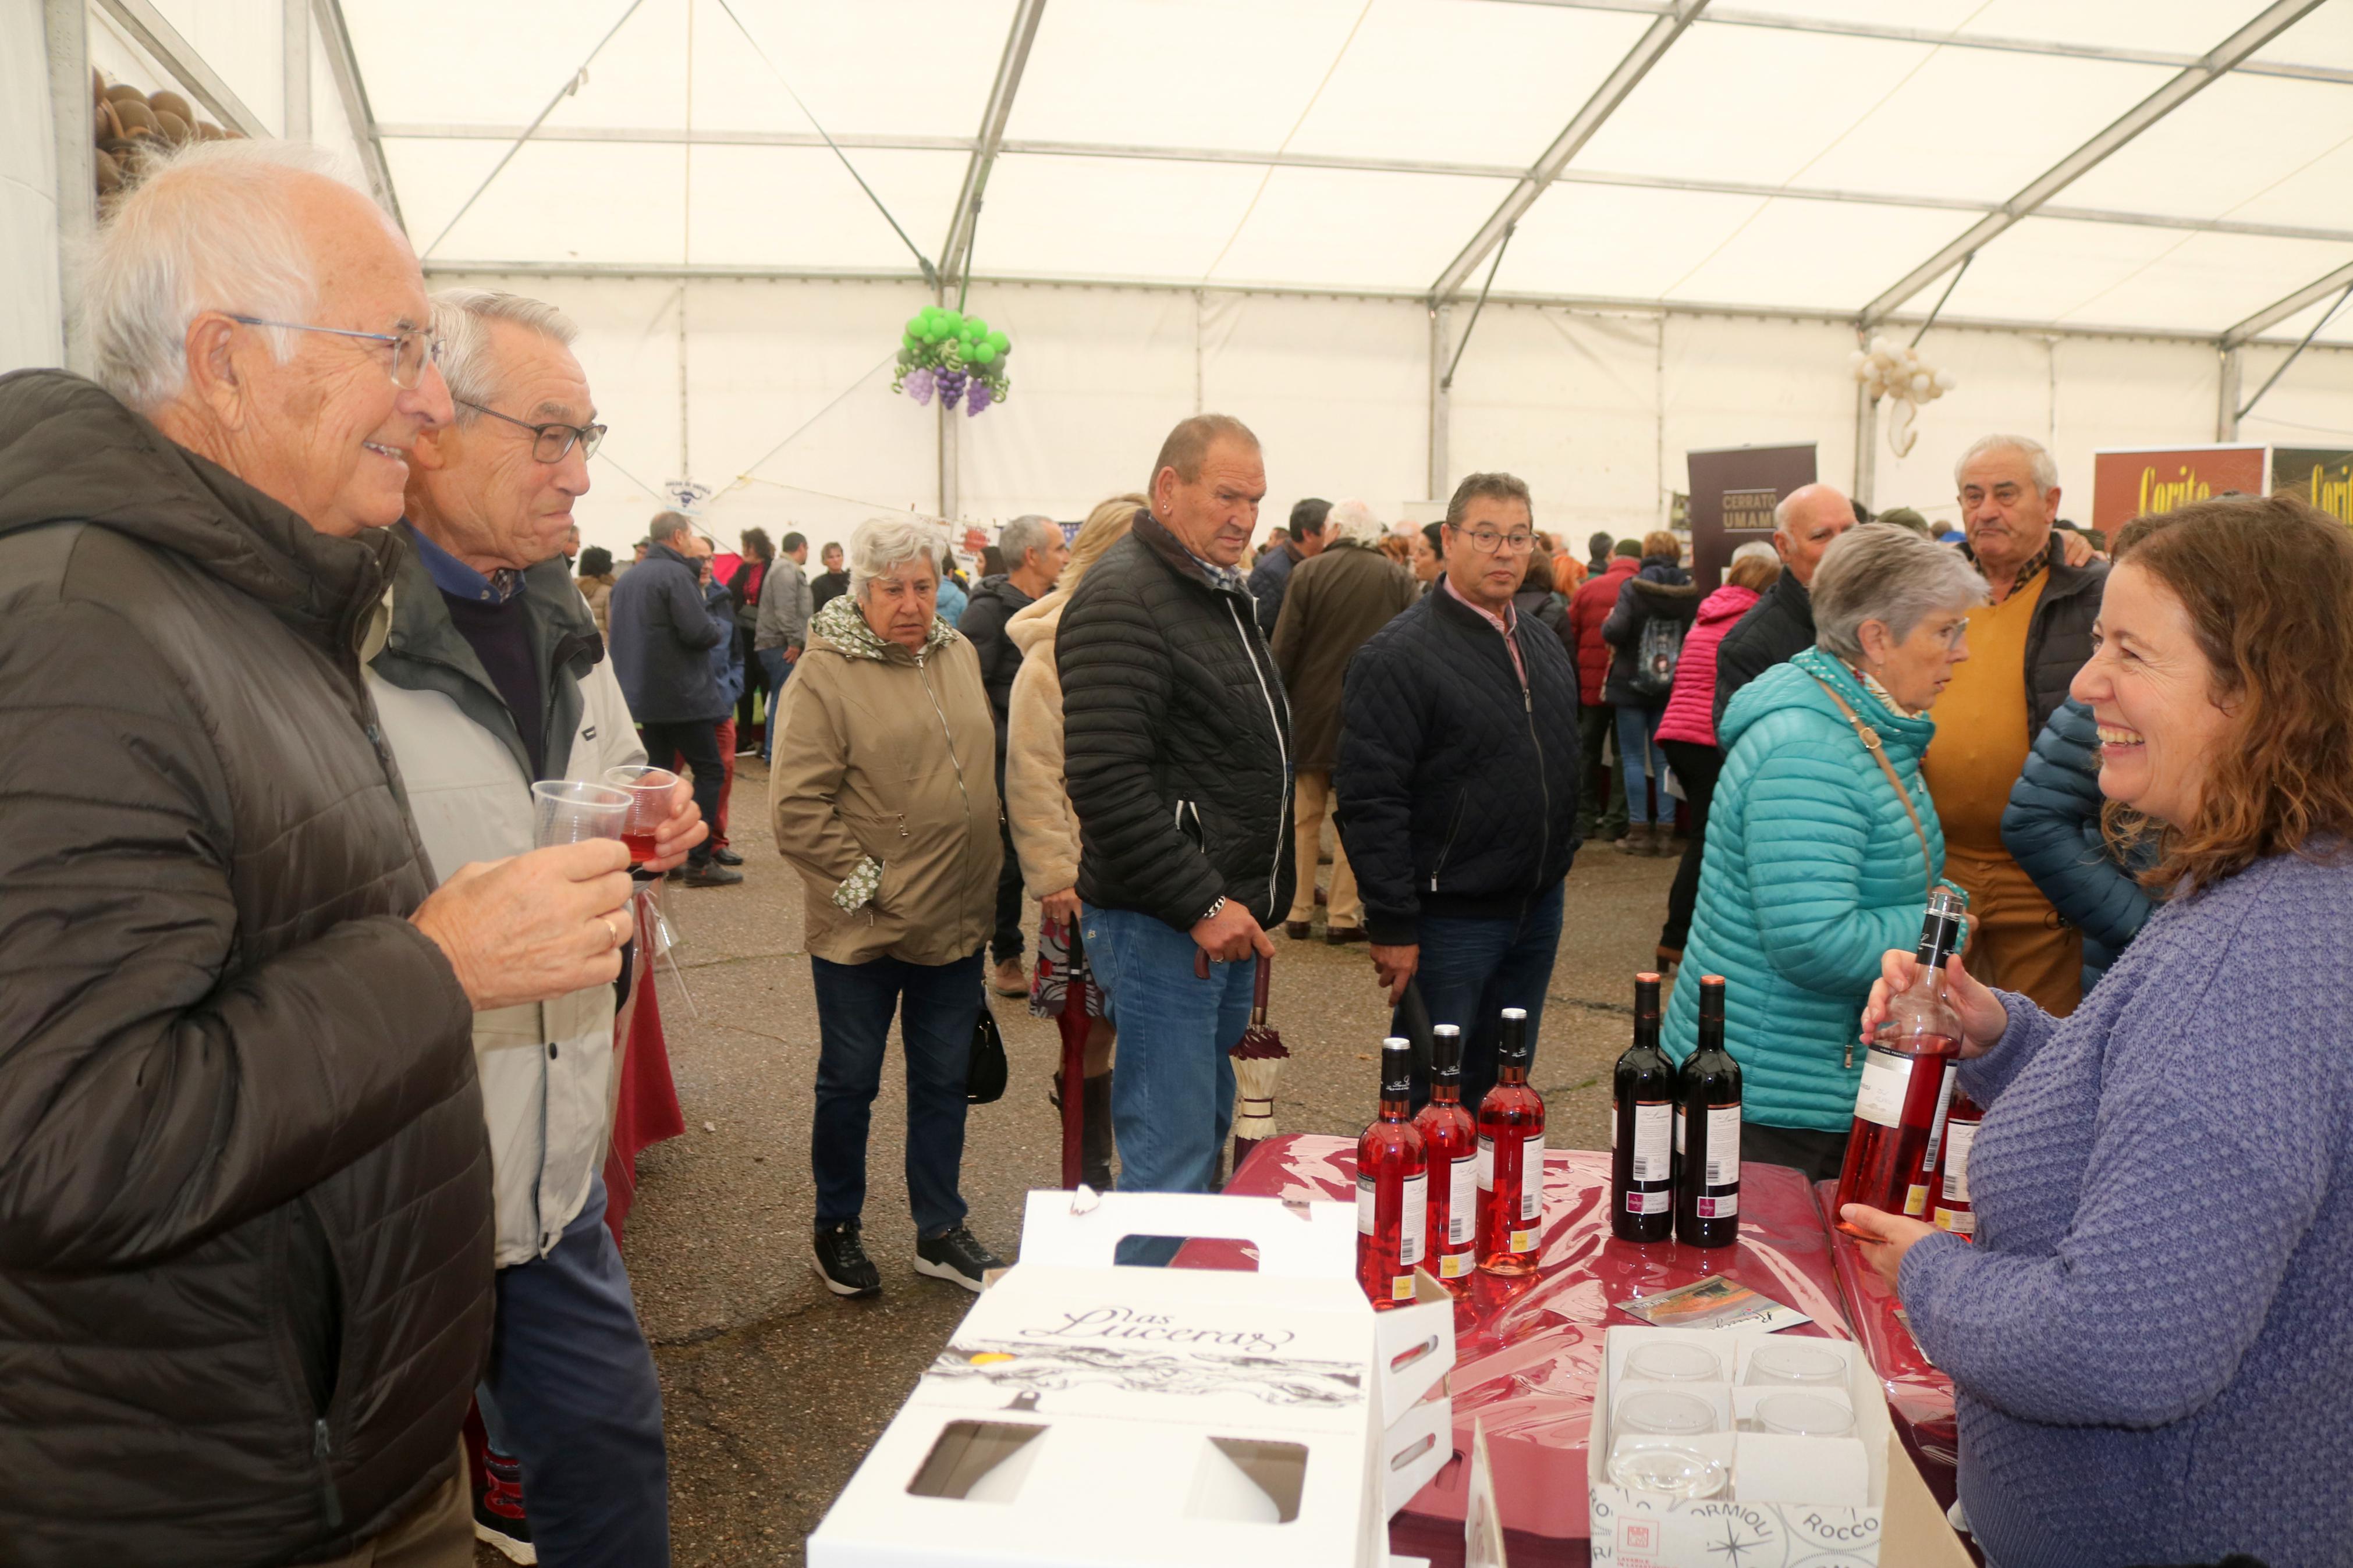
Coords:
571,1392
937,1004
1172,1103
1638,729
1470,971
777,669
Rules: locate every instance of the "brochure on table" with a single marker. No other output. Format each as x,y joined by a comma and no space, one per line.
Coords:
1087,1414
1790,1500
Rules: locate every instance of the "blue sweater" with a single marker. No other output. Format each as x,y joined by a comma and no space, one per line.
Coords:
2150,1340
1812,873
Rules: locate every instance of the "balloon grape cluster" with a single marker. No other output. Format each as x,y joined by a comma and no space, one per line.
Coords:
955,355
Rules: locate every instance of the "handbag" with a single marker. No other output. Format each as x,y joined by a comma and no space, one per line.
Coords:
986,1070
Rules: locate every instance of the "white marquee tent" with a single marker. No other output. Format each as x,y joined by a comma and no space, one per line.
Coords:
2123,215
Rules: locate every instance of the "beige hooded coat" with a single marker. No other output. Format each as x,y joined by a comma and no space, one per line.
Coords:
888,755
1045,828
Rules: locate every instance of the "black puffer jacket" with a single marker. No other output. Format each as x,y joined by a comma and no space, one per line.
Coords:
245,1191
1777,627
1457,784
995,601
1177,738
1660,591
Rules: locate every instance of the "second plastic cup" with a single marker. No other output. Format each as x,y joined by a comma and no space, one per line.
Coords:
649,790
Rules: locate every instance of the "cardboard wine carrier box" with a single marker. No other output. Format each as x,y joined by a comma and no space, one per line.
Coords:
1088,1414
1815,1499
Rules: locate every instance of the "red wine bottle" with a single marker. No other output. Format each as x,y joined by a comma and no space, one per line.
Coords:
1924,1179
1904,1076
1392,1187
1642,1128
1950,1210
1449,1143
1707,1131
1511,1157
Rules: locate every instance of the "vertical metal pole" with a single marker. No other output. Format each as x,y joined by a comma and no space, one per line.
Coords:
2226,404
685,453
1866,447
947,437
1441,401
296,33
66,25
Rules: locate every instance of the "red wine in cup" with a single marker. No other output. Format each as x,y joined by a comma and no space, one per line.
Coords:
640,846
1904,1076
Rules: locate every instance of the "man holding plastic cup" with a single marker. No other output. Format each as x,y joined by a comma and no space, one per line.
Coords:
493,683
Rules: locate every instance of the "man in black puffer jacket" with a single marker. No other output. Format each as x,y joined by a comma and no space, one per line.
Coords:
245,1193
1178,754
1458,783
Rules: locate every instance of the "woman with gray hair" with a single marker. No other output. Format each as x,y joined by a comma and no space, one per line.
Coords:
1822,843
883,792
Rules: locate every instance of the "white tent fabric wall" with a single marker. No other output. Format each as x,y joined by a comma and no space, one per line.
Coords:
30,330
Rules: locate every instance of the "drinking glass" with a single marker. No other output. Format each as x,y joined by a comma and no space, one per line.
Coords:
649,790
1671,1361
1796,1364
1803,1415
1676,1471
1666,1412
569,811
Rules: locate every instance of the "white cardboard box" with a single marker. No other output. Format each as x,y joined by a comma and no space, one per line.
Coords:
1633,1529
1086,1413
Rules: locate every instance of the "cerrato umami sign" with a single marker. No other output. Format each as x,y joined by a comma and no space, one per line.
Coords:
1749,511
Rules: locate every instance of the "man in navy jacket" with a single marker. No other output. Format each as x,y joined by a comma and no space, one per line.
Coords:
1457,780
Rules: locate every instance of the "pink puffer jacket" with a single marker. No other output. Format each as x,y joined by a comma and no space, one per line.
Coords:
1691,707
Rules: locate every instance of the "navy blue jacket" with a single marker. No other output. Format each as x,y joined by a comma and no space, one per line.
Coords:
2051,829
661,632
1457,784
1268,579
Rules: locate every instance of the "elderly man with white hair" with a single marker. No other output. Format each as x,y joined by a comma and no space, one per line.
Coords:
1035,554
1781,625
494,679
2030,641
1336,599
246,1208
883,794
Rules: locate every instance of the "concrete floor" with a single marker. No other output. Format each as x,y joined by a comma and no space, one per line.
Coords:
773,1389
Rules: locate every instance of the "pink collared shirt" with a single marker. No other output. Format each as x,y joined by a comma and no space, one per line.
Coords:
1505,623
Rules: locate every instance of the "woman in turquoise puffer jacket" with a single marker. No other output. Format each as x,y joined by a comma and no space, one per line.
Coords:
1813,867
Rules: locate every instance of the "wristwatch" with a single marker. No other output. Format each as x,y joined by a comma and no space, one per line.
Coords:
1211,913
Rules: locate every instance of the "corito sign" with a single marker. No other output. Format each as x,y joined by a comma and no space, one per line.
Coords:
2136,483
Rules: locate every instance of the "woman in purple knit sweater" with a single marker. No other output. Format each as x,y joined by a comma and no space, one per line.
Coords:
2151,1342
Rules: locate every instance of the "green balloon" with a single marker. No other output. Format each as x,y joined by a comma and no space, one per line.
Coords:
983,352
951,320
915,324
975,326
999,341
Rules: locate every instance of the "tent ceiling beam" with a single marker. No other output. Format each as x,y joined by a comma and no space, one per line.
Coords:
2279,310
1647,50
956,253
1889,33
344,64
1362,166
148,28
719,272
2272,21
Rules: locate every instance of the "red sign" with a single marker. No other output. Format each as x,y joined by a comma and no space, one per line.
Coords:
974,542
2126,485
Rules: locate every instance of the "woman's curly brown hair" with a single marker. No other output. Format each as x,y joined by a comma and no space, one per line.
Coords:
2268,585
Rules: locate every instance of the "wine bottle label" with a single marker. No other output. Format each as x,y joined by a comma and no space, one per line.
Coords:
1486,1163
1958,1137
1961,1222
1936,1125
1887,1076
1414,1227
1660,1202
1401,1288
1364,1205
1678,1131
1523,1241
1723,1207
1653,1130
1724,1146
1456,1265
1463,1202
1531,1178
1915,1199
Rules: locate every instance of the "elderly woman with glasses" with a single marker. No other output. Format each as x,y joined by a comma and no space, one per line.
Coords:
1822,844
884,791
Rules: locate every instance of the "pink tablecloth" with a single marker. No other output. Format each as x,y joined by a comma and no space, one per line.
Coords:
1919,1397
1528,1351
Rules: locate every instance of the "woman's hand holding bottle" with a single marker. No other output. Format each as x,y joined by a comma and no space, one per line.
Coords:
1983,1018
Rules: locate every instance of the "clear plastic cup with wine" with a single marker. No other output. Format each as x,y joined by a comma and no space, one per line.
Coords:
649,791
568,811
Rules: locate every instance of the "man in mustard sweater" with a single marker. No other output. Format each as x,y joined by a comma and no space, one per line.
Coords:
2025,647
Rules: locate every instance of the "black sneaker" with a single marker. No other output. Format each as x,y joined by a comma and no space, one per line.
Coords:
954,1255
499,1517
842,1263
726,857
706,874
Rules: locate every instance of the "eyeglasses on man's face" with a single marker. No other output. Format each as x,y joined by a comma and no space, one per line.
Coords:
549,442
1486,541
413,348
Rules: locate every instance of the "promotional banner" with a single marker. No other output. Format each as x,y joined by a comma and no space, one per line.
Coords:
2322,476
1734,490
2135,483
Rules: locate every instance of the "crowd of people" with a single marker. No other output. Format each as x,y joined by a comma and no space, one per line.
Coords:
307,1050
